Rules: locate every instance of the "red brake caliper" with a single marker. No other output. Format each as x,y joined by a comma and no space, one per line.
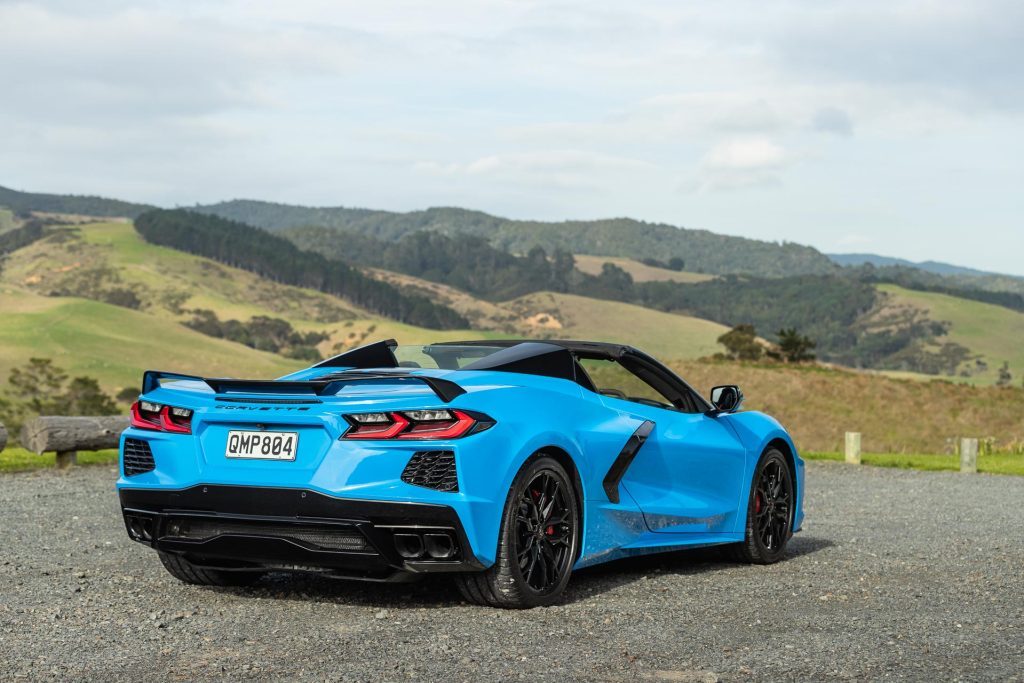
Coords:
757,502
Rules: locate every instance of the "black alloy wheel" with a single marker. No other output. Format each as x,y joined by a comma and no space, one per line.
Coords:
544,532
538,543
773,504
769,512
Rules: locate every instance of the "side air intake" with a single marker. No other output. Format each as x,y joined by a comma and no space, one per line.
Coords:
138,457
432,470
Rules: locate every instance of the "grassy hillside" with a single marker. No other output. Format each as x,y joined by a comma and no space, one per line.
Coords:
92,260
894,415
665,335
994,333
114,344
640,272
104,255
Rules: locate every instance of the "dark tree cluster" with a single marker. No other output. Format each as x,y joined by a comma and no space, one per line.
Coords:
275,258
41,388
21,237
675,263
261,332
465,262
24,203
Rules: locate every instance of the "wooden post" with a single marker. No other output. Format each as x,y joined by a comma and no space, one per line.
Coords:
969,456
66,459
3,436
853,448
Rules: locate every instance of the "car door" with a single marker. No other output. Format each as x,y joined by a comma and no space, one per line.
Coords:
687,477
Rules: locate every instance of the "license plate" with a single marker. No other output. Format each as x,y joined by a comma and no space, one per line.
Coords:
262,445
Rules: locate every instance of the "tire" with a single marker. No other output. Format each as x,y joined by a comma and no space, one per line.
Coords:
185,571
770,511
536,549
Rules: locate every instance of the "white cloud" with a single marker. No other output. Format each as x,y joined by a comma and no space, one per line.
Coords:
745,154
536,108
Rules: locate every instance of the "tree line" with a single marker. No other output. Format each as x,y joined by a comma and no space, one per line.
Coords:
275,258
41,388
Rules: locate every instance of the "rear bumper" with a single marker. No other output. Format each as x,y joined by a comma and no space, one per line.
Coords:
255,528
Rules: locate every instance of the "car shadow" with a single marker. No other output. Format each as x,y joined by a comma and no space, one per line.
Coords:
438,591
609,576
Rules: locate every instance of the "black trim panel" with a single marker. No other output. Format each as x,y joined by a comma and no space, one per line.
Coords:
625,459
260,506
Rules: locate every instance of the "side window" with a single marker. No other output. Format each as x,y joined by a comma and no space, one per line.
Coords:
612,379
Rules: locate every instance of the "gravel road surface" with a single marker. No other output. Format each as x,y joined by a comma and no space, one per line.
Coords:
898,575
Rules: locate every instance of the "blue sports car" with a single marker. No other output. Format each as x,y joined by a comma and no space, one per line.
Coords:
506,463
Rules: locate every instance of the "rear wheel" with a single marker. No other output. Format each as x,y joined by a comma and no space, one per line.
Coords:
183,570
769,512
537,544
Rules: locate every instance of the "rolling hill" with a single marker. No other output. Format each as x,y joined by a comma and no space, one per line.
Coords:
84,205
665,335
115,344
993,333
703,250
57,287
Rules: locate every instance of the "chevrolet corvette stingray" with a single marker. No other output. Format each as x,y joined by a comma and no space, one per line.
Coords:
507,464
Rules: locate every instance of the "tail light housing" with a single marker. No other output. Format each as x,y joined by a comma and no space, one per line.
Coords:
423,425
161,418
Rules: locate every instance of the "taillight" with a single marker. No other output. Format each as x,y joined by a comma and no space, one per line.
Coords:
416,424
148,415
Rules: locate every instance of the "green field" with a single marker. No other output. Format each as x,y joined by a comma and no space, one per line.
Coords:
115,344
6,220
20,460
992,464
993,332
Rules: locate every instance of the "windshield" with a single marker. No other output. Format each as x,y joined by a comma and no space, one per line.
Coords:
441,356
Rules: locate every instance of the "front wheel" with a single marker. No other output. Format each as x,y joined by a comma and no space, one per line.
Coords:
769,512
537,544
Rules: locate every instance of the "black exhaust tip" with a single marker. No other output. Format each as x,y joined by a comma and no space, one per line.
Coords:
140,528
439,546
409,546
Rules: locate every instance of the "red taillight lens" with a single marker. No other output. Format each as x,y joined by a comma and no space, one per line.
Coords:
147,415
386,427
177,420
415,424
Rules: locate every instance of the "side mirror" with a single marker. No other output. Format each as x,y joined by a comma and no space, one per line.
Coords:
727,398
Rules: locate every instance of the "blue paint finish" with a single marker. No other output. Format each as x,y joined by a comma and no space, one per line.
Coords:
688,485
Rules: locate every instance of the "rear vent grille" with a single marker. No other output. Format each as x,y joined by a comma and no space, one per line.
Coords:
324,537
138,457
433,470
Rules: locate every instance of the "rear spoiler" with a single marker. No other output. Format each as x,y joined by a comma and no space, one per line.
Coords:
322,386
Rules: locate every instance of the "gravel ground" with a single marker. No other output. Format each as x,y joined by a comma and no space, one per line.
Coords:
898,574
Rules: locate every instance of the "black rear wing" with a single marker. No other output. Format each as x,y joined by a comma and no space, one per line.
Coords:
322,386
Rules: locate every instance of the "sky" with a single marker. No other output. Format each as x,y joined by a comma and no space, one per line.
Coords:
892,127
